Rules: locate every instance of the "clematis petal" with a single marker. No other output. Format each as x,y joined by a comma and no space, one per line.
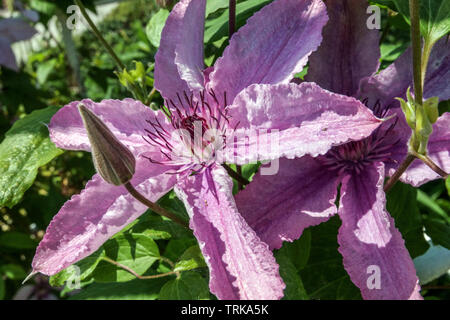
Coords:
16,29
90,218
279,207
189,49
241,265
418,172
394,80
179,60
373,250
349,51
271,47
7,57
393,137
290,120
125,118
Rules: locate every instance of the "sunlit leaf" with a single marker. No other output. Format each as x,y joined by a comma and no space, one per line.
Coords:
155,26
217,27
294,286
191,259
25,148
434,17
82,269
189,286
135,251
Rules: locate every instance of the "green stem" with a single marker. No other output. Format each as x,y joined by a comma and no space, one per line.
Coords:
153,206
427,46
150,96
432,165
231,18
400,170
99,36
236,176
416,50
134,273
239,172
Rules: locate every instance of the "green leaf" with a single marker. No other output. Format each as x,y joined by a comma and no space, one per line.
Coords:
176,247
444,106
42,6
25,148
214,5
130,290
434,17
44,69
157,228
174,205
136,251
13,271
192,258
17,240
248,170
189,286
217,27
324,276
82,269
403,207
447,185
2,288
433,264
298,251
391,51
439,231
155,26
294,285
431,205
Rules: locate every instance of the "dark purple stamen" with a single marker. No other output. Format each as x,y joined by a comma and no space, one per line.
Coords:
378,108
185,114
355,155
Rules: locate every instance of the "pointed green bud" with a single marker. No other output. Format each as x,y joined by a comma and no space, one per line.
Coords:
409,110
409,96
431,108
423,129
125,78
138,73
112,160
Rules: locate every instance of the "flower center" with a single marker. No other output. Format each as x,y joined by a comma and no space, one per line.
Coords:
198,128
354,156
190,122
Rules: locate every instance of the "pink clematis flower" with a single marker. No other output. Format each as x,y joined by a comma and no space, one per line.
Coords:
12,30
346,63
253,75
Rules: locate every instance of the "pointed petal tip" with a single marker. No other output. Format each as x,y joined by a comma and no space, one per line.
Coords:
33,273
387,118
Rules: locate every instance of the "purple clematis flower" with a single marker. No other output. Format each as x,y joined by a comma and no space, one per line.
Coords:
12,30
268,50
346,63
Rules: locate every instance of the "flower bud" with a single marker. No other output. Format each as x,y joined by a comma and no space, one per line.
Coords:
431,108
112,160
409,112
